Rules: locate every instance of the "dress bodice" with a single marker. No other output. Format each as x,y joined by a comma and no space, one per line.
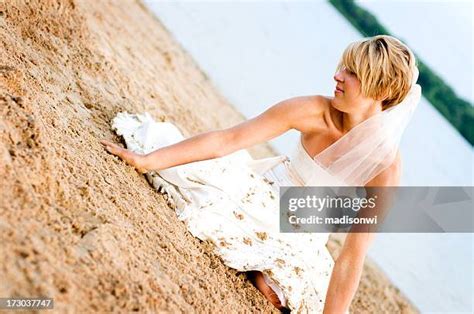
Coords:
302,163
309,170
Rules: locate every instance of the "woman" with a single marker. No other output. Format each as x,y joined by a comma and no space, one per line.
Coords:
373,77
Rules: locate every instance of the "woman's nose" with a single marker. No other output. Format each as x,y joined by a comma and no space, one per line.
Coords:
338,76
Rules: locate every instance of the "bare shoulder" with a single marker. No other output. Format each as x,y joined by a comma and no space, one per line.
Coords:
310,103
390,176
307,112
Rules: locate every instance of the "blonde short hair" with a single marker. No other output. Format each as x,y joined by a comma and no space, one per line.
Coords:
383,65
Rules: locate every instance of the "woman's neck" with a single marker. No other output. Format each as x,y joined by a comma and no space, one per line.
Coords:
346,121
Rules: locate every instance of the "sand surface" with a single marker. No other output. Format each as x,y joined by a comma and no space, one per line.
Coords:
76,223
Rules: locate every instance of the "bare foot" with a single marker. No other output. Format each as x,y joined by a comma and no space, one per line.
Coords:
256,278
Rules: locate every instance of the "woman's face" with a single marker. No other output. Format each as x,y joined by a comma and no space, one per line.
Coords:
348,96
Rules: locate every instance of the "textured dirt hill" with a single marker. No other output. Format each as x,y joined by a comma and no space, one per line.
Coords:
76,223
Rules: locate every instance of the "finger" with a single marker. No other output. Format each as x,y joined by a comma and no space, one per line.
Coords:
117,146
114,145
114,149
111,146
105,142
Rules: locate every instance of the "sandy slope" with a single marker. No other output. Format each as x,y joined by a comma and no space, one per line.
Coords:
79,225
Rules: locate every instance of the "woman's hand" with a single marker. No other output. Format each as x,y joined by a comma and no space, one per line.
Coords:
134,159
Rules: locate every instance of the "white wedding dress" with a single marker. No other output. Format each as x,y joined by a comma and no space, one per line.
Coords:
233,201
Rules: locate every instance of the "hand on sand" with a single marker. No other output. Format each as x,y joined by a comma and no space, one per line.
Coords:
128,156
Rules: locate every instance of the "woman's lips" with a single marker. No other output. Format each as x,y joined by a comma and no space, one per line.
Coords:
338,91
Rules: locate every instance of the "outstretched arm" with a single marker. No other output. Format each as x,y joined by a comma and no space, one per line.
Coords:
271,123
346,273
348,267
